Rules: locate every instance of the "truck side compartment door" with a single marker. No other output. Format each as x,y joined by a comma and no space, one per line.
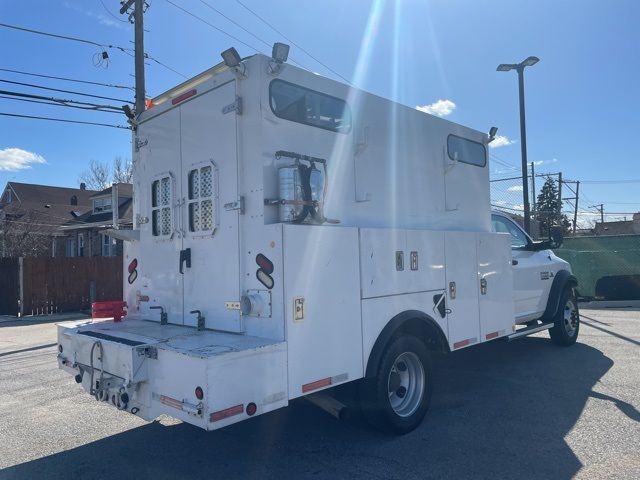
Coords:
462,289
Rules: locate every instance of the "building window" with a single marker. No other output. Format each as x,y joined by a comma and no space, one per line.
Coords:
201,193
161,207
80,245
74,200
108,246
467,151
71,247
101,205
299,104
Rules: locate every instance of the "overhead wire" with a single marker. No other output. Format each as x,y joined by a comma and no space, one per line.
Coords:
6,114
126,50
64,91
56,104
59,101
88,82
111,13
292,42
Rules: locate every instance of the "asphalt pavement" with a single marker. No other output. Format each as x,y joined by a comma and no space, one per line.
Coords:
526,409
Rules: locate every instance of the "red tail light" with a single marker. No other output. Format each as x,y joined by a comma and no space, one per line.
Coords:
264,263
251,409
133,265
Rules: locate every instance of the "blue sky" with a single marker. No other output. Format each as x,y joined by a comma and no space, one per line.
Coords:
582,98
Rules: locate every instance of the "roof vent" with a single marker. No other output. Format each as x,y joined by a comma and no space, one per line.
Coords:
83,186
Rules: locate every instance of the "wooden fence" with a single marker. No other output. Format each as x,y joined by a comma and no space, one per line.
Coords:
50,285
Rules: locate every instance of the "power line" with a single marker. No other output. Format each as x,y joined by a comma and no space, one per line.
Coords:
64,91
235,23
65,37
636,180
90,42
213,26
54,104
63,120
67,79
59,101
291,41
110,13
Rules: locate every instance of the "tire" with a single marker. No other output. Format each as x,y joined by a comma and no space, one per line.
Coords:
567,320
397,398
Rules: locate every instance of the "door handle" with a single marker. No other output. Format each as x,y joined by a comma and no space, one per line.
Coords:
185,257
514,262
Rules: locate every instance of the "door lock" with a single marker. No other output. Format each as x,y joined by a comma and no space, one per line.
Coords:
483,286
185,257
452,290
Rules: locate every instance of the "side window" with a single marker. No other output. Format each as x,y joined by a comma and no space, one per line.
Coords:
200,202
501,224
161,207
302,105
466,151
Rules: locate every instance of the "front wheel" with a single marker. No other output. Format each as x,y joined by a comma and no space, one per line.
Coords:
398,398
567,320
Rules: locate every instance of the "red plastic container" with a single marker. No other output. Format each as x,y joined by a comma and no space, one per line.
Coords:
113,309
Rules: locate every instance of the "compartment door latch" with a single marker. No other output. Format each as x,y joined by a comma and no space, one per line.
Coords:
234,107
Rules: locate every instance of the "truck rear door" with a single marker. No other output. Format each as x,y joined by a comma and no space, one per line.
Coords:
210,208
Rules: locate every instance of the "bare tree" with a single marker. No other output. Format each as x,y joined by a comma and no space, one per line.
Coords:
122,170
101,175
26,236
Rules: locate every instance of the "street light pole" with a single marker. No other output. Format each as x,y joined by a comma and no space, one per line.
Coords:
530,61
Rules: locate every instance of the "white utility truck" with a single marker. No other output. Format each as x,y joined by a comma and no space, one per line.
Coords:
292,234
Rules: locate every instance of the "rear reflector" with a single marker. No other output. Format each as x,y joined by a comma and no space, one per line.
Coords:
133,265
308,387
172,402
492,335
264,263
226,413
461,343
183,97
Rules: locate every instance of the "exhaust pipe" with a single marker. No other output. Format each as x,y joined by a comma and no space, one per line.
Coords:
326,402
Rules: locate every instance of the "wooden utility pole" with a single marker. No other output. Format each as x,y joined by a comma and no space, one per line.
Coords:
575,210
138,14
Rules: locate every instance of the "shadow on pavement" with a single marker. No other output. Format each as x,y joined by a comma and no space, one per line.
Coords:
500,410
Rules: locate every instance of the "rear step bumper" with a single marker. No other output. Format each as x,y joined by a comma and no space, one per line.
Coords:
524,332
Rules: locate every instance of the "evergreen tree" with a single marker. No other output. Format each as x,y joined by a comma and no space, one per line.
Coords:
548,208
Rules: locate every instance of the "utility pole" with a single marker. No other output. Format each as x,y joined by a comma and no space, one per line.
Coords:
560,197
533,186
575,211
139,49
599,207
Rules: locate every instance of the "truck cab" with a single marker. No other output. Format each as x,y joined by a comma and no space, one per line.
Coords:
534,269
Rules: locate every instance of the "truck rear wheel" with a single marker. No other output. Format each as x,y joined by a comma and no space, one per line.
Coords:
567,320
397,398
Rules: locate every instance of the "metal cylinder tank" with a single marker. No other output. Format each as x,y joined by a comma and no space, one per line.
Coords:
290,189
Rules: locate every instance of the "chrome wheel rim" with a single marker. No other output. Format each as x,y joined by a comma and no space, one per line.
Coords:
570,317
406,384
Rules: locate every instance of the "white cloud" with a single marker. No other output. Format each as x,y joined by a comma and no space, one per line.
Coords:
501,141
102,19
13,159
441,108
545,162
515,188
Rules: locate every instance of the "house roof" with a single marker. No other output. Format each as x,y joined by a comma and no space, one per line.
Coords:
44,208
88,218
124,190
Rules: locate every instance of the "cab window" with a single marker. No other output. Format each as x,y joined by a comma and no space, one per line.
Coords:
502,224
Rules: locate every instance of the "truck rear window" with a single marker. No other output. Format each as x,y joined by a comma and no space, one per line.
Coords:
302,105
466,151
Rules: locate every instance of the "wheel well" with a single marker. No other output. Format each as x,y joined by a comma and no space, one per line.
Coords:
414,323
562,279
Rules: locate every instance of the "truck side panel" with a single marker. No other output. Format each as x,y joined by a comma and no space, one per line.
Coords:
321,270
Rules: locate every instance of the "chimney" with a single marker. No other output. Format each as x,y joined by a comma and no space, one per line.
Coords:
83,186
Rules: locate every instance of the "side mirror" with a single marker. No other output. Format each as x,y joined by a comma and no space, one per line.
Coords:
556,237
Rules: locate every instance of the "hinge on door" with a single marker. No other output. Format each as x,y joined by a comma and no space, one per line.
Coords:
234,107
141,143
237,205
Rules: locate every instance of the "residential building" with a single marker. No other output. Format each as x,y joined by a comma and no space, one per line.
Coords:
31,214
85,236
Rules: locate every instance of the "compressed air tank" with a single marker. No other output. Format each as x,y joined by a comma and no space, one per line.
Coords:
290,190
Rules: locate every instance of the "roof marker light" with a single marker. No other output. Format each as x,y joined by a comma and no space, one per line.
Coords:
183,97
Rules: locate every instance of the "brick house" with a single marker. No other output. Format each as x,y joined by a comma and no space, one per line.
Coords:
30,215
84,235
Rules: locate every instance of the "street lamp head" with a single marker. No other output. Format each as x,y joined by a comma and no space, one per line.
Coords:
530,61
505,67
